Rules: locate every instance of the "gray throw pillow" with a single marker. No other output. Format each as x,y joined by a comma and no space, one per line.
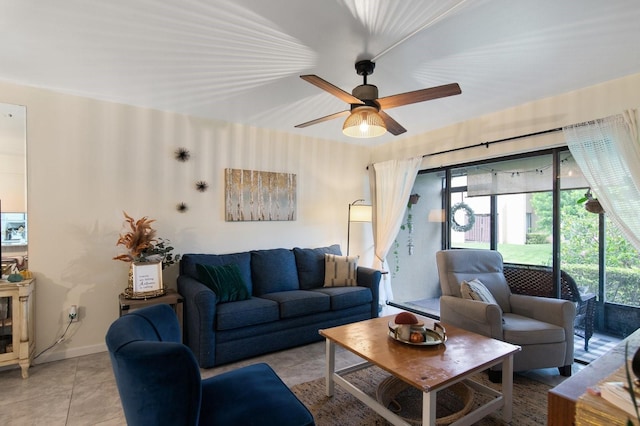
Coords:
475,290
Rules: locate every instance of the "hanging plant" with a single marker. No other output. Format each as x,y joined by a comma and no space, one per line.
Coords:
396,256
410,229
591,204
470,217
413,199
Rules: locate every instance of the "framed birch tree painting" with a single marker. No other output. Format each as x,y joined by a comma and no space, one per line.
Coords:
252,195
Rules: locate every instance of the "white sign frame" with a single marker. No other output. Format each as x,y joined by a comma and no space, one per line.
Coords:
147,279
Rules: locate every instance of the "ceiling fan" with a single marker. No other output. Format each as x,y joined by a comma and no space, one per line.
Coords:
367,117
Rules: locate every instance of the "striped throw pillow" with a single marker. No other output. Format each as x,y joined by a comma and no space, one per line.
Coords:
340,270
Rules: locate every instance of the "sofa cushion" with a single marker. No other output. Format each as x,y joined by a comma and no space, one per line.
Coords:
521,330
225,281
188,264
340,270
296,303
273,270
246,313
346,297
310,264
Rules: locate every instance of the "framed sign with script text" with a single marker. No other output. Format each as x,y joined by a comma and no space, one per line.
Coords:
147,280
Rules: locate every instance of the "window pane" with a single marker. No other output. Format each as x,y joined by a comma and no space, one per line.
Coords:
622,268
579,241
470,221
525,228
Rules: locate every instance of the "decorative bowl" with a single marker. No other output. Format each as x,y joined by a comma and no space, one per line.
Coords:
430,337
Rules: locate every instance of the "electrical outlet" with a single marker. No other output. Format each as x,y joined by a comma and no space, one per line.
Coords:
73,313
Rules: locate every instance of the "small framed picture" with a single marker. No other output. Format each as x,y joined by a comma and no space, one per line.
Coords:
147,280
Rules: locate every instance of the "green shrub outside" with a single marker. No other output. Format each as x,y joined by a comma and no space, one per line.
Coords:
536,238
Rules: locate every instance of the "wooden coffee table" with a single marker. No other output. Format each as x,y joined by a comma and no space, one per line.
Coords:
427,368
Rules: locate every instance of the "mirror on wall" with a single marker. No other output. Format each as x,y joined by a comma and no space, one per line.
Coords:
13,188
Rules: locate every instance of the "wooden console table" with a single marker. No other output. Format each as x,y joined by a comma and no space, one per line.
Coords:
17,326
562,399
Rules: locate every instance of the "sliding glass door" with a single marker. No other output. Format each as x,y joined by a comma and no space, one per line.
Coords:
509,205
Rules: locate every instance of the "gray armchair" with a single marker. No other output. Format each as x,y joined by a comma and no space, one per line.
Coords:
542,326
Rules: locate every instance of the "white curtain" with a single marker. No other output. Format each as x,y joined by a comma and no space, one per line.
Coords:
391,183
608,153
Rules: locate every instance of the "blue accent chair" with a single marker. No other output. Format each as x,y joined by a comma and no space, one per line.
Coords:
159,380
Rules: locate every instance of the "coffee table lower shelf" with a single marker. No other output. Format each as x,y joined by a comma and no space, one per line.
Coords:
428,401
435,370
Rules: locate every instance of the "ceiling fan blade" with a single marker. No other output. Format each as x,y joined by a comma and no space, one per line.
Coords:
325,118
393,126
419,96
328,87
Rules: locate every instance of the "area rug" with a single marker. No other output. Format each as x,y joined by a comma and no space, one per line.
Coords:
598,346
529,401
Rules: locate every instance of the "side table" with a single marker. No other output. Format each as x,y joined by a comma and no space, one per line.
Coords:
171,298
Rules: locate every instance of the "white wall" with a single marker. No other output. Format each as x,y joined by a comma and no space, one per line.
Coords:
417,277
89,160
590,103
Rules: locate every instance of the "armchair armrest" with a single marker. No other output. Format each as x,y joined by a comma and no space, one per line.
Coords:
199,319
559,312
370,278
473,315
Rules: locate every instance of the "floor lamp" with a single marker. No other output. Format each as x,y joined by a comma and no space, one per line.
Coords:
357,213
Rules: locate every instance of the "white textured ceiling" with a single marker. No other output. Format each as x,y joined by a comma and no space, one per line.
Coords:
240,60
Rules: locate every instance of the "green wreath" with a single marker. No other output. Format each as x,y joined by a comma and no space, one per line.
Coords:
469,214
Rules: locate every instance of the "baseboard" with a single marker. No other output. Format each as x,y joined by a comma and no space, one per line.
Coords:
53,355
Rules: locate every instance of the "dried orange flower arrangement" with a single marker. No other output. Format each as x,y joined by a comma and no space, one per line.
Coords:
143,245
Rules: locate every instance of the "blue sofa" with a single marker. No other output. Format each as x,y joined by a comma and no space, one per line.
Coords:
286,306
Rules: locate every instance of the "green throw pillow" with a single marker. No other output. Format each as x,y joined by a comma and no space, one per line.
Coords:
225,281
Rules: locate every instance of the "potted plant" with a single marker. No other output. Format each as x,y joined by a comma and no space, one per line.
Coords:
145,252
142,244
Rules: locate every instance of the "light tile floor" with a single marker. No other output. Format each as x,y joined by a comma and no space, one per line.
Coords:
82,391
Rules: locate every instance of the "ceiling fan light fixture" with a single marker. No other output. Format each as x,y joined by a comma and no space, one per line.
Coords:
364,122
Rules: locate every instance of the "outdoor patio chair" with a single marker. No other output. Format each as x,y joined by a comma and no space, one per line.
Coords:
535,280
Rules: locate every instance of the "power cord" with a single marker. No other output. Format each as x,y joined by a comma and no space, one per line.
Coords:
59,340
